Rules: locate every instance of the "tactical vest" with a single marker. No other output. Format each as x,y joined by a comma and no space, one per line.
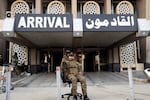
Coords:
72,67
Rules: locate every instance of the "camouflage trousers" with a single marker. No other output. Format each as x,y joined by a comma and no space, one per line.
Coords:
74,79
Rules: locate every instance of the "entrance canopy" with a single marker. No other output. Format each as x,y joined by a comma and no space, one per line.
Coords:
65,39
47,30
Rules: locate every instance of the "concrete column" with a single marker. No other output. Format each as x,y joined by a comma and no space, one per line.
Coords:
38,6
33,56
27,56
115,55
1,27
116,64
110,60
148,49
74,8
99,62
107,6
3,8
147,9
141,8
38,57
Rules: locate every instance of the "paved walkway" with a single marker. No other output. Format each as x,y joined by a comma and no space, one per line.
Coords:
137,76
101,86
92,78
105,92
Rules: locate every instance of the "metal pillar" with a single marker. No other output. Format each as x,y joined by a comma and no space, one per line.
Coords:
3,70
58,81
2,86
130,76
8,82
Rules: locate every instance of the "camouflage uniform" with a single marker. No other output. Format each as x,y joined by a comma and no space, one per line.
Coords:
15,63
14,59
73,72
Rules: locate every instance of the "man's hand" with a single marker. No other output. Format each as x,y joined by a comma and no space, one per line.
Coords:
63,60
2,78
80,73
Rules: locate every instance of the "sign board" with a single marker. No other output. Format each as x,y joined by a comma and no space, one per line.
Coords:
64,23
143,27
43,22
8,27
109,23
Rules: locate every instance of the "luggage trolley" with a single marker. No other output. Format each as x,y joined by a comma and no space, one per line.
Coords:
2,80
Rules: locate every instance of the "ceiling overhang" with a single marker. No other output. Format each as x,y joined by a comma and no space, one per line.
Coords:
66,39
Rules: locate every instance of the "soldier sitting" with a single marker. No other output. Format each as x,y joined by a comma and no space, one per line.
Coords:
73,72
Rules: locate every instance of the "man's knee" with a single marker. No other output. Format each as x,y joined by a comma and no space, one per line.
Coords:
82,79
72,78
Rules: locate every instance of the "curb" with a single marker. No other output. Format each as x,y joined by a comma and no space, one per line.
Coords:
136,79
20,80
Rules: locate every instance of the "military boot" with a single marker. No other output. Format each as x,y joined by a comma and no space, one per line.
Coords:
75,97
86,97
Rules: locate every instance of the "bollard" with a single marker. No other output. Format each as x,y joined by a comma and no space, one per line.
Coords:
3,70
130,76
58,81
8,80
2,80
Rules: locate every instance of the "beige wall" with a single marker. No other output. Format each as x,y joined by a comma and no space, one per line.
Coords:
3,8
141,8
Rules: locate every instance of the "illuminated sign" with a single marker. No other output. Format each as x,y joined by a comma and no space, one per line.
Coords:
43,22
111,22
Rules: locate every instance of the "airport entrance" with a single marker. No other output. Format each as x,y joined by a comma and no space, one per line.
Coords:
56,58
89,65
91,60
96,61
61,33
50,59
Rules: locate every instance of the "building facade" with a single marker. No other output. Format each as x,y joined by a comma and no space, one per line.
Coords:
108,34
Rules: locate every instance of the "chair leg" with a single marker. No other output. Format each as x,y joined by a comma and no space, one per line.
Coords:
68,98
70,95
79,95
67,94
